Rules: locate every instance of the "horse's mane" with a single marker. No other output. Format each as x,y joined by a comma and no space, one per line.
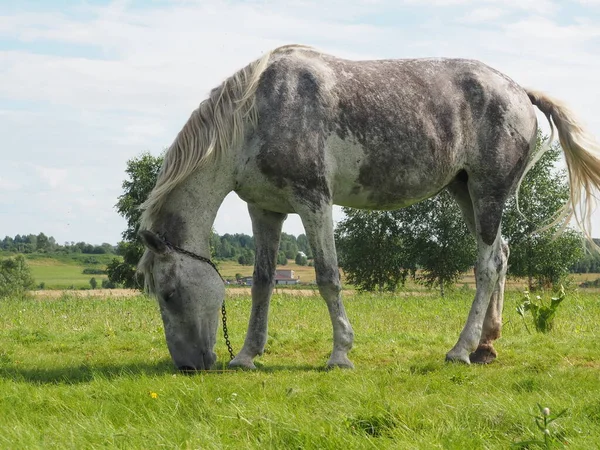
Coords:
216,126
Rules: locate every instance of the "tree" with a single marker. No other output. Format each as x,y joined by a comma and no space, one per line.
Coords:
301,260
142,173
281,259
42,243
439,240
93,283
304,246
536,253
379,249
247,258
371,250
15,277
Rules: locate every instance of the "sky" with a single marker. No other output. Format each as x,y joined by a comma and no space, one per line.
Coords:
87,85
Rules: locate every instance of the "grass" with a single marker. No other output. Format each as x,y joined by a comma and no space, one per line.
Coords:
81,373
61,276
64,271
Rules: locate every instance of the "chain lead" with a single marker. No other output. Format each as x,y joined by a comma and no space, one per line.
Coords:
225,334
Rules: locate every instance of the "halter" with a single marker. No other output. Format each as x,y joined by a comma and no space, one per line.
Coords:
203,259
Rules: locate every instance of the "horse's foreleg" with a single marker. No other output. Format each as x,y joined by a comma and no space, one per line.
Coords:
492,324
266,227
491,263
319,230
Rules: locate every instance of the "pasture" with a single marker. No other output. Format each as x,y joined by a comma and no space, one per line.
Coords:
64,271
95,373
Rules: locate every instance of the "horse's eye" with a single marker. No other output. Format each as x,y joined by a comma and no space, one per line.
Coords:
167,296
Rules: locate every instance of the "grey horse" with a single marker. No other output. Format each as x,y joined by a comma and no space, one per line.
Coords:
298,131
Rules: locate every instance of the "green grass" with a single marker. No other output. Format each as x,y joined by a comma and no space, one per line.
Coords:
62,276
79,373
64,271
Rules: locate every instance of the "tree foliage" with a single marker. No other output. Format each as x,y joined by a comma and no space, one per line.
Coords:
538,254
142,173
441,245
301,260
379,249
15,277
40,243
371,250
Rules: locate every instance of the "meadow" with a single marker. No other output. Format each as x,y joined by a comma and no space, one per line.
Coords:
95,373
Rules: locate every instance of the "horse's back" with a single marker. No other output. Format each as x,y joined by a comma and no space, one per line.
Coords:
384,133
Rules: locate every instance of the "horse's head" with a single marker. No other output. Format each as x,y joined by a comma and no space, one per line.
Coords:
190,294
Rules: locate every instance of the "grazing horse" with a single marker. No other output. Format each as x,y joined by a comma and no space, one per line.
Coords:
298,131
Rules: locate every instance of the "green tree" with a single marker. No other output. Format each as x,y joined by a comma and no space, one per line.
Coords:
281,258
247,257
304,246
93,283
371,250
538,254
439,241
15,277
42,243
301,260
142,172
379,249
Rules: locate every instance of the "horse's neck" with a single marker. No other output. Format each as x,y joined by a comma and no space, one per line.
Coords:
194,204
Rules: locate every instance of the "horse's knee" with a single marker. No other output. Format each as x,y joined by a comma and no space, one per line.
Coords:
329,281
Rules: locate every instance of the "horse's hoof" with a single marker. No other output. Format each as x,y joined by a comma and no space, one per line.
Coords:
342,363
458,357
485,354
241,363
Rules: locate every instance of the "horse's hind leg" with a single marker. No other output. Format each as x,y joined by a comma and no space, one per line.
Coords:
319,230
266,227
476,340
492,324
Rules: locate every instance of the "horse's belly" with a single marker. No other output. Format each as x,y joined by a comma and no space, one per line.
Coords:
386,180
377,200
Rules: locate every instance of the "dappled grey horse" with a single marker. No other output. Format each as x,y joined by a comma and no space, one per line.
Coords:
298,131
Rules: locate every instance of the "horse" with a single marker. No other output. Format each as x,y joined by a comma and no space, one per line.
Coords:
299,130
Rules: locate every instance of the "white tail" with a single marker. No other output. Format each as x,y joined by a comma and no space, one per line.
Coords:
582,154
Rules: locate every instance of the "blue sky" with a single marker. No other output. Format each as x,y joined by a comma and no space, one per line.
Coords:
87,85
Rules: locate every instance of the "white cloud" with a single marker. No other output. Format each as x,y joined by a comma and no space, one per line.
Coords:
9,185
483,15
52,176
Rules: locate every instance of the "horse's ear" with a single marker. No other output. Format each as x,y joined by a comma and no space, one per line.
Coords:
153,242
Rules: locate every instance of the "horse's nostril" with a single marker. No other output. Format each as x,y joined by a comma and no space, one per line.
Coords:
186,369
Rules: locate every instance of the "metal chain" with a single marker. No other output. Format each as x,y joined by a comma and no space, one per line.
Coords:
225,334
213,265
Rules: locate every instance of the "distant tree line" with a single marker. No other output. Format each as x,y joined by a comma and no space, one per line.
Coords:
31,243
240,248
589,262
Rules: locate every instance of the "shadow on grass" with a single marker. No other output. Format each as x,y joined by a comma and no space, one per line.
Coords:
85,373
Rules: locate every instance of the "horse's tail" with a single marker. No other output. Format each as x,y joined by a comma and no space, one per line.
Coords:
582,154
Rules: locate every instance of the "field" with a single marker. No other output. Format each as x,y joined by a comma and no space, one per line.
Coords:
58,271
95,373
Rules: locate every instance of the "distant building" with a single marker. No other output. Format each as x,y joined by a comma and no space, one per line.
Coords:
285,276
247,281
